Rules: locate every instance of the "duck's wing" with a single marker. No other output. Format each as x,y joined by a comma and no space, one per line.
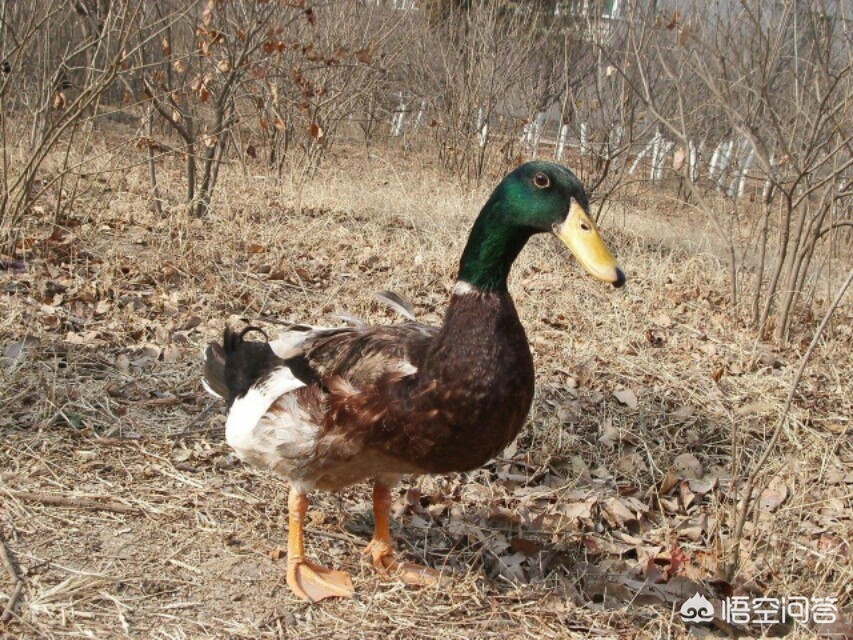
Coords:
362,355
303,356
283,395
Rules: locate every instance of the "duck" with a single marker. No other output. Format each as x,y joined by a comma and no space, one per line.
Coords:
326,408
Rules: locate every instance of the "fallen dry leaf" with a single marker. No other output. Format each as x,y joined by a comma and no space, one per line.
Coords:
773,496
15,353
631,464
617,513
626,397
688,466
609,434
522,545
669,481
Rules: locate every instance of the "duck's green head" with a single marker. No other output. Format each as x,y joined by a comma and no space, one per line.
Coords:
537,197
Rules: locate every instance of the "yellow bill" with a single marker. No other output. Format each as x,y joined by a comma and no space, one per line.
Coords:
579,234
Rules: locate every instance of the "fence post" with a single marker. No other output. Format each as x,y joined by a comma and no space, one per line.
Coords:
725,157
768,185
656,143
482,128
561,141
692,158
744,171
616,135
538,126
419,119
640,157
666,147
399,117
715,161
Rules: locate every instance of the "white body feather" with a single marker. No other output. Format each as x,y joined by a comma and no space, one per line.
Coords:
276,439
248,429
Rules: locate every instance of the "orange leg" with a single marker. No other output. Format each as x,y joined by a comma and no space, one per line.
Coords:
308,580
381,546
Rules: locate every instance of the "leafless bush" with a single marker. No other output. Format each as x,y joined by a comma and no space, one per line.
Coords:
274,79
330,78
197,71
473,62
601,111
766,89
59,60
492,77
751,124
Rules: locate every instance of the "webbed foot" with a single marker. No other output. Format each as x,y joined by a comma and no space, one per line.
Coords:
387,566
313,583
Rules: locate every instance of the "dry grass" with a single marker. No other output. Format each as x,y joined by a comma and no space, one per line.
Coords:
128,517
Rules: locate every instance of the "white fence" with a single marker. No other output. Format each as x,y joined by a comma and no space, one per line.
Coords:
657,158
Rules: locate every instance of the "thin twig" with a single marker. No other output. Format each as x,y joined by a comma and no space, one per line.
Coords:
152,164
190,426
73,502
777,432
12,569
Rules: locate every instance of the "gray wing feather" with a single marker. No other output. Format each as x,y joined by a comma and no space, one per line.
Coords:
397,302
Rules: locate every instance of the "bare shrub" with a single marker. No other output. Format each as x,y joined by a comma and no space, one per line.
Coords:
325,79
775,105
60,60
195,67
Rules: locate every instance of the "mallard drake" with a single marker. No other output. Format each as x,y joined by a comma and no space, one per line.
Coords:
328,408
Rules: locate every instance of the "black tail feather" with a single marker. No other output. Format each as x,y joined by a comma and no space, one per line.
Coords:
215,358
232,340
232,367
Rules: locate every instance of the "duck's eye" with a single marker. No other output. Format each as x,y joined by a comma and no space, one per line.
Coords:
541,180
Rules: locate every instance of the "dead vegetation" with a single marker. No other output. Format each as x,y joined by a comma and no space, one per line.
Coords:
124,514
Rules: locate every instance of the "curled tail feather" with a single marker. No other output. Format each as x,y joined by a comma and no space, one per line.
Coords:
237,365
216,356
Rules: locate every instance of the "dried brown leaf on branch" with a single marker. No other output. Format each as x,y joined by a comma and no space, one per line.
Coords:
315,131
365,55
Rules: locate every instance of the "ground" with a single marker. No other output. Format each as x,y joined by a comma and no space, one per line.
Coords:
124,514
